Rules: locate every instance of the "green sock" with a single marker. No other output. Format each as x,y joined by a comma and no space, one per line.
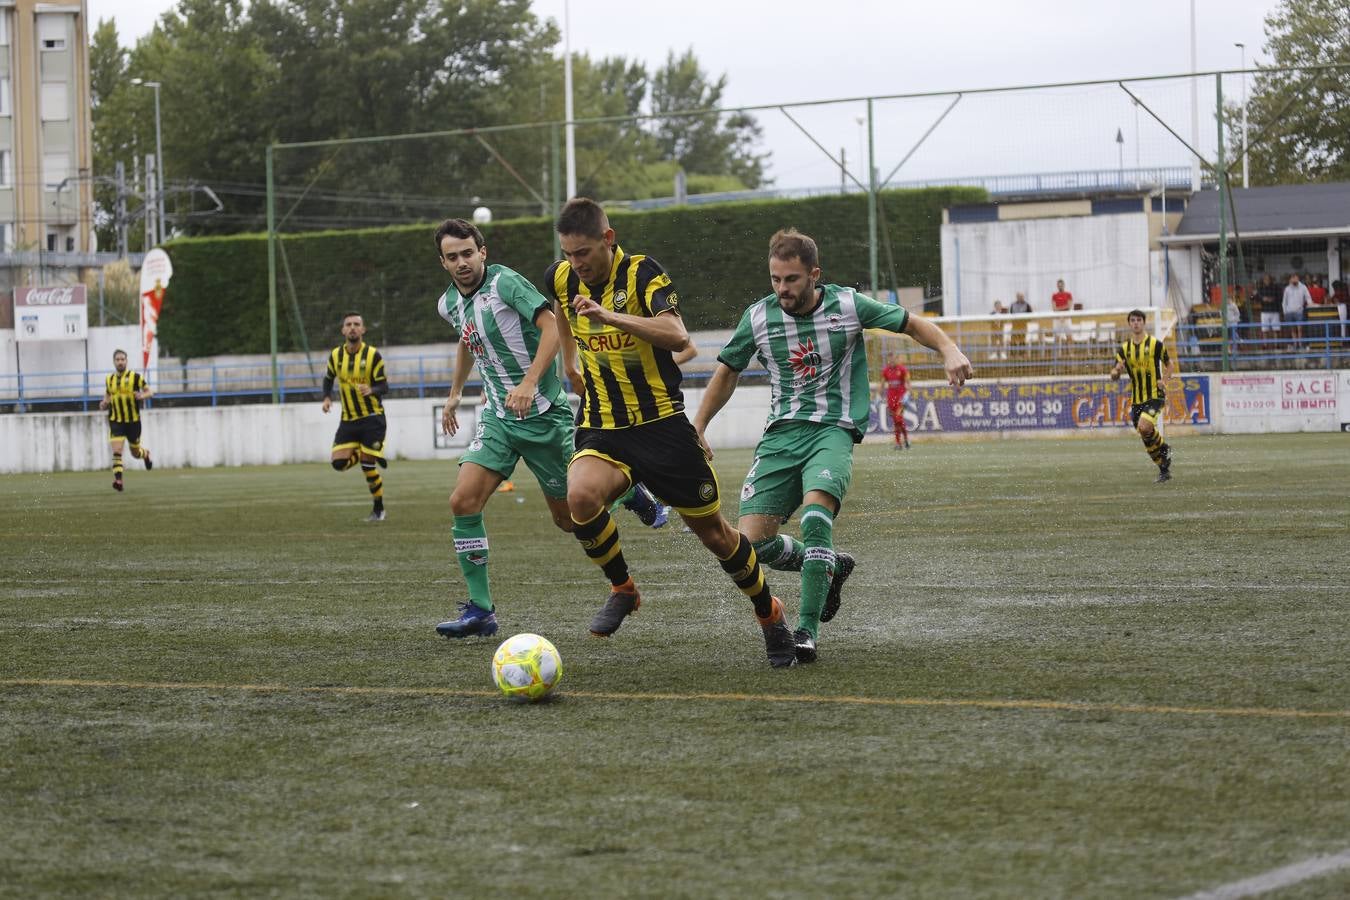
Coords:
618,504
781,552
471,546
817,566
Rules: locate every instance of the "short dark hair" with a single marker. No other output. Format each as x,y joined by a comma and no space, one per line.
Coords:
115,352
789,243
1136,314
348,315
458,228
582,216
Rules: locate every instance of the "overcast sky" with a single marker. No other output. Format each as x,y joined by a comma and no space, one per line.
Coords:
806,51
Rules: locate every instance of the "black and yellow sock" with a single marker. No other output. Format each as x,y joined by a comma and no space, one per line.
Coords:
600,539
374,483
1156,447
117,466
743,567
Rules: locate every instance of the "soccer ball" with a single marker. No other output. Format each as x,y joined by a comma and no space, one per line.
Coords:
526,667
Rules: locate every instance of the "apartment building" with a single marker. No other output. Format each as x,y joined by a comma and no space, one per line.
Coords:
46,145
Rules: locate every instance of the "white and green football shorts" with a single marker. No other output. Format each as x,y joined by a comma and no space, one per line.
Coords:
794,458
544,441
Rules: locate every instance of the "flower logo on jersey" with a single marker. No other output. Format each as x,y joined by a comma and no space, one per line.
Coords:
805,360
472,338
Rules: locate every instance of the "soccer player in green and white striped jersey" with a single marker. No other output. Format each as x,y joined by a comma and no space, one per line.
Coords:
809,336
508,327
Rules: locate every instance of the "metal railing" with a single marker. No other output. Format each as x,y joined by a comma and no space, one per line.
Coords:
996,351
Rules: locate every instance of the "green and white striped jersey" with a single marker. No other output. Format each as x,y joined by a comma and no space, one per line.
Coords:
496,324
817,363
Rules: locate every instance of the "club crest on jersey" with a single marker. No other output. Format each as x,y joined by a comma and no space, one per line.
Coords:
834,322
472,338
706,490
620,299
747,491
805,360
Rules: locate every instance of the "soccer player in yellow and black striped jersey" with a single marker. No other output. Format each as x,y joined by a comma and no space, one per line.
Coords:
619,324
358,370
1144,358
123,393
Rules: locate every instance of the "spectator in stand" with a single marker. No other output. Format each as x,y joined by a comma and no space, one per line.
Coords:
1340,295
1316,292
1268,304
1232,315
1062,301
999,308
1294,306
1019,329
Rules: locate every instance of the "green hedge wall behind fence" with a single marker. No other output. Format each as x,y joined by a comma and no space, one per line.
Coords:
715,254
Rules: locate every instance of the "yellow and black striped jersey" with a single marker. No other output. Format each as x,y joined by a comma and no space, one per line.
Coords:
626,380
122,388
350,371
1144,361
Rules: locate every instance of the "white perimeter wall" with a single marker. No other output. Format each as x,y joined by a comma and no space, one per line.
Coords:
1240,402
1104,261
199,437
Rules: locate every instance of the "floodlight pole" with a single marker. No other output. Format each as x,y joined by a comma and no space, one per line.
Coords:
871,202
1221,173
1243,48
159,154
1195,109
570,129
272,275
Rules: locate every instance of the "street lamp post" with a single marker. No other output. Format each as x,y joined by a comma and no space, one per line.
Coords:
1243,49
159,156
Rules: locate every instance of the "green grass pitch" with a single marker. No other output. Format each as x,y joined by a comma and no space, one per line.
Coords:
1049,678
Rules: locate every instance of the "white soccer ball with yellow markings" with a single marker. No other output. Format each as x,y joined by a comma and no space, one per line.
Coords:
526,667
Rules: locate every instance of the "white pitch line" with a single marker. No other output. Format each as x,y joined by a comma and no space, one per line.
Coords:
1277,878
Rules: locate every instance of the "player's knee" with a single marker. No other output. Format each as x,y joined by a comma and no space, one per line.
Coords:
564,521
461,504
584,502
1145,428
339,463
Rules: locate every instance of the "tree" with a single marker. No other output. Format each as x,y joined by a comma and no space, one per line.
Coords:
704,145
1299,122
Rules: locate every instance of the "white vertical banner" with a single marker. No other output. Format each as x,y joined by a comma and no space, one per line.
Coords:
155,274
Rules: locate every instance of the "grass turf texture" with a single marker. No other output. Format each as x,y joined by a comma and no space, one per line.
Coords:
1050,677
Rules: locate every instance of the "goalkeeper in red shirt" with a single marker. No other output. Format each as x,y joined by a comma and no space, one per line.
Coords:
896,379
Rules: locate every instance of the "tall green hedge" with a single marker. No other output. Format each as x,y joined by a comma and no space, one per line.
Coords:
715,254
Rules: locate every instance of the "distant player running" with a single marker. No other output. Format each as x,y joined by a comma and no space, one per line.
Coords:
623,313
1145,359
896,378
810,338
508,327
123,393
358,370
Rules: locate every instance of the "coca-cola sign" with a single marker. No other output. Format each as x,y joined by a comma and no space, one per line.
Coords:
56,295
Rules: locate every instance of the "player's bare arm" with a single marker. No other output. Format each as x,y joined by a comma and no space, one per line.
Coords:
520,399
715,396
568,345
665,330
449,413
955,363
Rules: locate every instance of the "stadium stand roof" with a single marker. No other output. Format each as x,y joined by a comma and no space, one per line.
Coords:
1282,211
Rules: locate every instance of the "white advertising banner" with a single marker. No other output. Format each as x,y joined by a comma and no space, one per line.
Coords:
1343,401
155,274
1249,395
58,313
1255,402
